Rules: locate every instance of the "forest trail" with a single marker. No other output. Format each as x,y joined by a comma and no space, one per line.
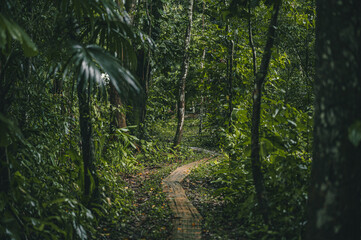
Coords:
187,220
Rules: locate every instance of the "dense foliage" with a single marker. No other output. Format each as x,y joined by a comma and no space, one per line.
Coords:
89,98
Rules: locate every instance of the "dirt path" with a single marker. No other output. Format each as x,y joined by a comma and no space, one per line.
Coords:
187,220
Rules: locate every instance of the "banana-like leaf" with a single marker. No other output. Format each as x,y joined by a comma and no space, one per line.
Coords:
93,8
91,60
9,30
116,37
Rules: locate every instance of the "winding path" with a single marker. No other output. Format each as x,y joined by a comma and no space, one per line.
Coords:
187,220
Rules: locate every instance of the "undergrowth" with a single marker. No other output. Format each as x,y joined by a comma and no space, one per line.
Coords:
225,197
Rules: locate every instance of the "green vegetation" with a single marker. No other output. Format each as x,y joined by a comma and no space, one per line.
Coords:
102,99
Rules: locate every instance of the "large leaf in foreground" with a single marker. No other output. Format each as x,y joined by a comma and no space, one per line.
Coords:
91,60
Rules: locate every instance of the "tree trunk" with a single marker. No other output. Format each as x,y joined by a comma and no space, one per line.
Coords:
144,69
4,162
182,80
129,6
87,145
250,37
230,78
256,115
334,196
118,117
4,170
201,108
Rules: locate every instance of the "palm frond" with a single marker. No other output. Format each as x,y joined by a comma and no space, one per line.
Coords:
88,63
9,30
90,9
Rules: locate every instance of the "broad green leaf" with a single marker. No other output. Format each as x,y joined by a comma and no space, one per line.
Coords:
354,133
9,30
90,60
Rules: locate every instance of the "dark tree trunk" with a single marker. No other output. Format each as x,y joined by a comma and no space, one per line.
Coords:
250,37
182,80
4,170
141,72
230,78
4,163
87,145
118,117
256,115
201,108
334,196
130,6
144,69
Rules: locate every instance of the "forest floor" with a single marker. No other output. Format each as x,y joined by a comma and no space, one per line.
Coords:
187,220
148,213
215,201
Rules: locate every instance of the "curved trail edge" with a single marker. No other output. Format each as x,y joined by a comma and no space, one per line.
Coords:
187,220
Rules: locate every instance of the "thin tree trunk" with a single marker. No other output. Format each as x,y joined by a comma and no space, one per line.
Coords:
256,115
4,161
250,37
118,116
201,113
182,80
334,197
87,145
129,7
230,78
4,170
145,75
201,109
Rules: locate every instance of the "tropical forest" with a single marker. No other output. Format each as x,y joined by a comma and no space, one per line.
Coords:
180,119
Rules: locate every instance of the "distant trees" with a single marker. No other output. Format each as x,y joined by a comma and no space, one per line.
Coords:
260,77
87,62
334,196
10,63
82,61
183,77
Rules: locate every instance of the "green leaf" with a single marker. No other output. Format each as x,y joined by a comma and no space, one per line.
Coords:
292,123
354,133
9,131
9,30
90,60
254,3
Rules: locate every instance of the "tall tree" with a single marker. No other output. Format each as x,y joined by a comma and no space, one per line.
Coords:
9,64
334,196
88,62
230,46
256,114
201,109
119,119
183,78
144,57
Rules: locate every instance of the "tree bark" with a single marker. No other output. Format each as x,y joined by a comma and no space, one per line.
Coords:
256,115
334,196
4,170
87,145
251,43
4,163
183,78
201,108
118,117
230,78
144,70
129,6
